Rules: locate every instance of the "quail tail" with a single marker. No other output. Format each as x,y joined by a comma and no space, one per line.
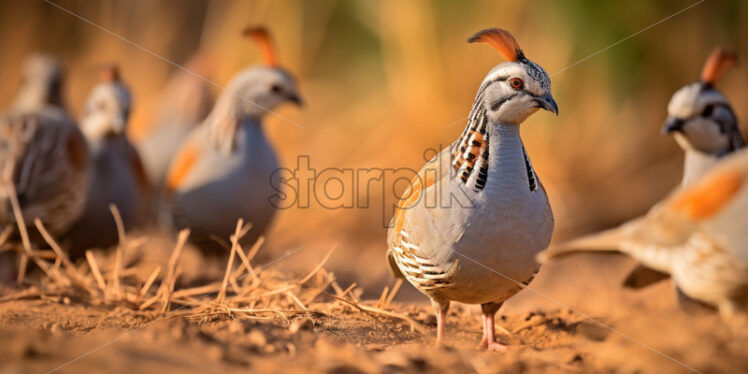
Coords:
606,241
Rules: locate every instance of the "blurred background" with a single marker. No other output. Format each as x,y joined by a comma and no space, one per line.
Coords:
385,80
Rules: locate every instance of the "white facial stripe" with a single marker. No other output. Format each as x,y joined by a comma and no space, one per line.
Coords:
692,99
703,135
107,110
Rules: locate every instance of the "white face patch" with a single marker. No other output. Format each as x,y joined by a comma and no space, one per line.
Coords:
692,99
505,104
41,84
260,89
683,103
702,135
707,119
107,110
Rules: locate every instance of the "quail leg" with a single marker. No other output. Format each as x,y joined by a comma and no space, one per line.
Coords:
489,332
441,316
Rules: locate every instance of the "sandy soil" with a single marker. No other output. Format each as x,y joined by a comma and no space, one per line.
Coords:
608,330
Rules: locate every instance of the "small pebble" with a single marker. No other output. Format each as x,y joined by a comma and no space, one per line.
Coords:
236,327
299,324
291,349
257,338
55,329
393,359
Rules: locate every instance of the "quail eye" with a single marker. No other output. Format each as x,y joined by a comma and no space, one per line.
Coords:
708,111
516,83
276,88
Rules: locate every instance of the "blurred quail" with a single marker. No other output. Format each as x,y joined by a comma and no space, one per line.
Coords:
43,155
706,128
117,174
702,120
185,103
42,82
697,235
224,168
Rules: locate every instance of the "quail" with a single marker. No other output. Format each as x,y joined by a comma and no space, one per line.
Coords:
705,126
117,174
184,104
697,235
470,224
224,168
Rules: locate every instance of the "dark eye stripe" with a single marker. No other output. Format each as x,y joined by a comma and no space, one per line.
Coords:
495,106
708,112
704,112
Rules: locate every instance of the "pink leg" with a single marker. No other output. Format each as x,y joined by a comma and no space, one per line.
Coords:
489,332
441,316
484,340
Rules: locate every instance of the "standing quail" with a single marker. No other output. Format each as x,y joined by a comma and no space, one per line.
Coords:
224,168
117,175
477,242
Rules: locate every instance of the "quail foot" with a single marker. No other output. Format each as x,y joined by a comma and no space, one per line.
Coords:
224,168
473,219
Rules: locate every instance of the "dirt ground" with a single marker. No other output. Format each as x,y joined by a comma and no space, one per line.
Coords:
574,318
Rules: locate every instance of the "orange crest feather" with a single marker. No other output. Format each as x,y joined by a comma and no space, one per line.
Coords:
718,62
110,73
260,36
502,41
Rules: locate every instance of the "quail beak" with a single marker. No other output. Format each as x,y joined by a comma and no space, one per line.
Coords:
546,102
673,124
296,99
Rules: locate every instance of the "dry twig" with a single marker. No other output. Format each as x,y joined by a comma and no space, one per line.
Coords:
167,286
18,215
376,311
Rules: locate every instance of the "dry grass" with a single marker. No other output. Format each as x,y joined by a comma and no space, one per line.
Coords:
245,292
